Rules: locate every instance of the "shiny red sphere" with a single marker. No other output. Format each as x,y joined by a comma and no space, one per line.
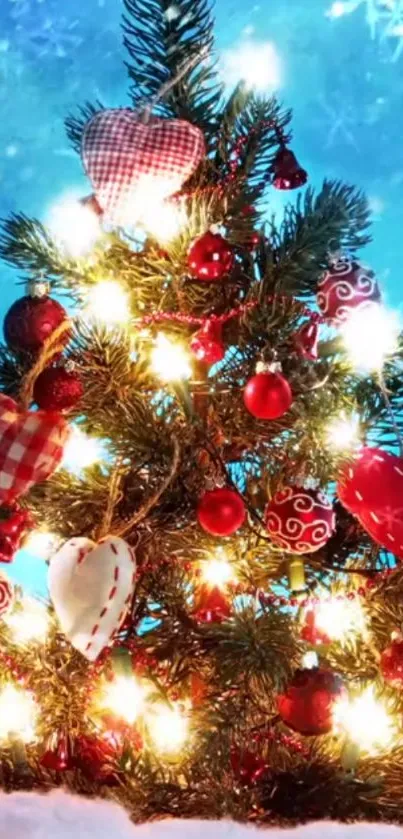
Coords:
391,664
206,345
347,286
300,520
30,321
221,511
268,396
210,258
57,389
307,706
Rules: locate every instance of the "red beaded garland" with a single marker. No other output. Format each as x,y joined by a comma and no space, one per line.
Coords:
210,258
307,705
268,396
344,288
221,511
300,520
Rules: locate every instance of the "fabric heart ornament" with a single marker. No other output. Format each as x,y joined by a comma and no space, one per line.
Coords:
31,447
91,586
371,487
133,165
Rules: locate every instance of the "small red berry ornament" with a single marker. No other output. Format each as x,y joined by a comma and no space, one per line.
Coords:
300,520
221,511
212,605
13,528
206,345
344,288
308,704
210,258
371,488
32,319
57,389
391,663
268,395
287,172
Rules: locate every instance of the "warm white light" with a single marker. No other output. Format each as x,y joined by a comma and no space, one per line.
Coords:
218,572
74,227
80,451
41,543
366,721
370,335
169,360
337,9
164,220
125,698
340,619
257,64
17,714
310,660
343,432
108,303
31,623
168,728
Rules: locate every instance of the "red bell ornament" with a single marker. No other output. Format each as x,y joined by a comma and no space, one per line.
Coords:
13,528
212,605
31,321
391,663
268,395
210,258
287,172
57,389
97,758
221,511
344,288
300,520
206,345
308,704
58,757
306,341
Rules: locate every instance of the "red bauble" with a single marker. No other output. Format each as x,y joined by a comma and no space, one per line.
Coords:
12,531
300,520
212,605
58,757
306,341
247,766
207,345
210,258
371,487
307,706
30,321
287,172
391,664
310,632
346,287
97,757
268,396
221,511
57,389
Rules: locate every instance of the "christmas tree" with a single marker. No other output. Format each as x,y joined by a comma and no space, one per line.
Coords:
207,446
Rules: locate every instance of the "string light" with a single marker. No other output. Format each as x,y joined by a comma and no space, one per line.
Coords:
343,432
74,227
370,335
164,220
41,543
310,660
17,714
30,623
169,360
81,451
168,728
339,619
366,721
125,698
218,571
107,302
256,64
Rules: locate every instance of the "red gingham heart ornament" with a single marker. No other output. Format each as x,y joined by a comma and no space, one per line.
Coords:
31,447
132,163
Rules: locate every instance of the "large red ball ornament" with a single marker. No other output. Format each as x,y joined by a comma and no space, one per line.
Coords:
30,321
371,488
391,664
57,389
344,288
308,704
268,396
300,520
210,258
221,511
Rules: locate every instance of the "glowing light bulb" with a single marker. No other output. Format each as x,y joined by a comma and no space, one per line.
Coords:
218,571
107,302
310,660
18,714
31,623
370,335
168,728
125,698
81,451
74,227
256,64
366,721
41,543
164,220
339,619
169,360
343,432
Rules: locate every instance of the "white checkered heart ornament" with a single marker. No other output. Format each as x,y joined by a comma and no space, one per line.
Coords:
134,165
31,447
91,586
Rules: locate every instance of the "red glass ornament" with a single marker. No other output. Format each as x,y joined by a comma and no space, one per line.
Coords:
345,287
306,341
247,766
210,258
212,605
207,345
97,757
371,488
57,389
391,664
221,511
268,396
30,321
13,529
307,706
287,172
300,520
58,758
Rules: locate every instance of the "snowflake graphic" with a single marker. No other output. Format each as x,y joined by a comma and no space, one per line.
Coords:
55,37
383,17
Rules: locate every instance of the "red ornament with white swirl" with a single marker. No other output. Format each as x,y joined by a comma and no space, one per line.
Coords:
6,595
300,520
346,287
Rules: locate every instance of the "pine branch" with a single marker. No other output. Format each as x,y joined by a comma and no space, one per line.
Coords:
26,244
75,124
